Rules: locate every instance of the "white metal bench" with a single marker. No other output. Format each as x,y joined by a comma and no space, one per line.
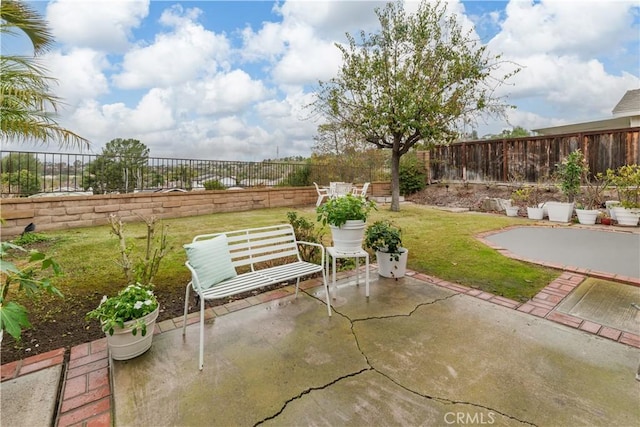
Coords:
255,250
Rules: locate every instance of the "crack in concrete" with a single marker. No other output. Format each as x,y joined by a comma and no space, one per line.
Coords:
309,390
374,369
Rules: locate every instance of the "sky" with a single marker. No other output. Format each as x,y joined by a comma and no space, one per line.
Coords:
231,80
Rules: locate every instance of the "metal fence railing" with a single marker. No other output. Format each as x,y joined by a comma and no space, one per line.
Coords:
26,173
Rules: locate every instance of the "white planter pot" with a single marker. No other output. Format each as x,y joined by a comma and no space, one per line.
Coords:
348,237
587,216
123,345
388,267
626,217
512,210
559,211
535,213
610,204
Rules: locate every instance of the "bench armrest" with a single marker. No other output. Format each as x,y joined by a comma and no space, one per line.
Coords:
316,245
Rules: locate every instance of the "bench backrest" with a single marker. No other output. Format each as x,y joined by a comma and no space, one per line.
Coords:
255,245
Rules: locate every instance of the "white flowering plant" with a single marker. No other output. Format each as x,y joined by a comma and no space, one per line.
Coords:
131,303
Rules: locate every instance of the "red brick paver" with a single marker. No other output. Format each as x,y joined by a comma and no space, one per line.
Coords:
86,396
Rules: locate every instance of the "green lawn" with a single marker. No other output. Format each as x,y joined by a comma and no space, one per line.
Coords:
441,244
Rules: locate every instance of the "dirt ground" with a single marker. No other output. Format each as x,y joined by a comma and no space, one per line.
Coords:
471,196
62,328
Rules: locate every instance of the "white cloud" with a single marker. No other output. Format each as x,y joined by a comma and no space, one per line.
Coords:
582,29
187,52
565,49
79,75
227,93
100,25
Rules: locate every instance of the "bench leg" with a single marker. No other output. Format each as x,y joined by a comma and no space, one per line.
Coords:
187,294
297,284
326,292
201,363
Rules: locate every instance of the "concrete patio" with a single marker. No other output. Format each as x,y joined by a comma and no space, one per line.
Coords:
414,354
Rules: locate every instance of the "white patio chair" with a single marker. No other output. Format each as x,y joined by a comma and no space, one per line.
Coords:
342,189
361,192
323,193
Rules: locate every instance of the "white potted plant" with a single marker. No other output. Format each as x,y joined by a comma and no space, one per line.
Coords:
588,208
627,182
569,173
128,319
386,240
346,216
527,198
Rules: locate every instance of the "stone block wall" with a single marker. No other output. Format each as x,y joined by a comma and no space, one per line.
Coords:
59,213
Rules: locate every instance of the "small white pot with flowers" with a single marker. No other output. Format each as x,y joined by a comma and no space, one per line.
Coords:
128,319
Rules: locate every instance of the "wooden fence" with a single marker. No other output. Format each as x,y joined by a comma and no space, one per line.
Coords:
531,159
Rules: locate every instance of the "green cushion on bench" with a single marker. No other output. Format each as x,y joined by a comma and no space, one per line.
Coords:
211,260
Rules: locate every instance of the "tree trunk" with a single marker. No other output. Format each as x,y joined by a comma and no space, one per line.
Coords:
395,181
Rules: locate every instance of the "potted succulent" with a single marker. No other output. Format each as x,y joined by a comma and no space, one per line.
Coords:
128,319
346,216
627,182
569,174
386,240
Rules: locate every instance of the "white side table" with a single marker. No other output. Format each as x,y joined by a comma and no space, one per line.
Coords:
333,254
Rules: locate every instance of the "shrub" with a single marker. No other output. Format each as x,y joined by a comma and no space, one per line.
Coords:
412,174
305,231
213,184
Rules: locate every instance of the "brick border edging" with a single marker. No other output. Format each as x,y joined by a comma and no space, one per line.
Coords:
86,397
86,392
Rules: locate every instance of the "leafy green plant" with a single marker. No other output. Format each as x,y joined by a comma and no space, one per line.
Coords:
339,210
26,278
570,173
305,231
383,236
31,238
627,181
527,196
132,303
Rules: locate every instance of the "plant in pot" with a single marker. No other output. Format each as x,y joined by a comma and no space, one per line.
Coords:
569,174
386,240
588,208
346,216
527,197
626,179
128,318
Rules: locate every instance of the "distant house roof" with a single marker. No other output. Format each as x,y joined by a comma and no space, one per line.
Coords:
626,114
629,105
